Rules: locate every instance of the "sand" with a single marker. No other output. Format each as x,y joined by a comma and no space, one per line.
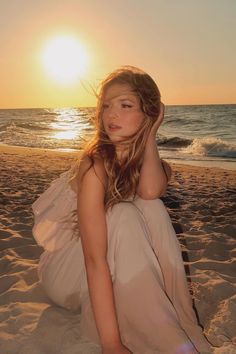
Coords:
201,202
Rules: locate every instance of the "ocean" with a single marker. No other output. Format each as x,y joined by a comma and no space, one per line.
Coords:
192,134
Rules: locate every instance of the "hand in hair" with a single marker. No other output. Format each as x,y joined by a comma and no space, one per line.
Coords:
158,121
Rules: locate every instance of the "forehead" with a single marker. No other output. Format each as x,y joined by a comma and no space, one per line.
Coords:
116,91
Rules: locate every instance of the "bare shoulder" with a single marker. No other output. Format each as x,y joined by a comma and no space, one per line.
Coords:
94,170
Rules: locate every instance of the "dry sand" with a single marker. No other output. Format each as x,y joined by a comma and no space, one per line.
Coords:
202,205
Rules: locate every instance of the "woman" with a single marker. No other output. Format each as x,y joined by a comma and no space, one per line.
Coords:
125,270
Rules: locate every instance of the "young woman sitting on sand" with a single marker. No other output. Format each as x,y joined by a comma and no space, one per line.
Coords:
125,270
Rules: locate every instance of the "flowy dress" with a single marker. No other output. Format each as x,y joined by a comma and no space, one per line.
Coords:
152,300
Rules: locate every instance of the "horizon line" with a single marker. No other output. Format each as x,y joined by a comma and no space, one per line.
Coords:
190,104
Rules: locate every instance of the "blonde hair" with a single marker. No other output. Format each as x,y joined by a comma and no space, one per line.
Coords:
123,176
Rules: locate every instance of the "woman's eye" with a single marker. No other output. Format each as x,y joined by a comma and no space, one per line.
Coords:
104,106
126,105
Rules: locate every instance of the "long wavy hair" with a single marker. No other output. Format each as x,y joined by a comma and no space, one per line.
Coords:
123,175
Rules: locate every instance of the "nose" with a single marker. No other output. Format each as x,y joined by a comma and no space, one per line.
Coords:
112,112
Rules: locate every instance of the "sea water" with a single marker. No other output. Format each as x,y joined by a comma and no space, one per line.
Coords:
192,134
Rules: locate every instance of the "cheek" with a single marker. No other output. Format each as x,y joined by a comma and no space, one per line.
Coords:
138,120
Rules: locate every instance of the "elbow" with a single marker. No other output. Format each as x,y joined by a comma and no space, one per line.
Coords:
155,193
152,192
149,194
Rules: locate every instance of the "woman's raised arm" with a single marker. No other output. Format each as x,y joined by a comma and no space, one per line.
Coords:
155,173
93,232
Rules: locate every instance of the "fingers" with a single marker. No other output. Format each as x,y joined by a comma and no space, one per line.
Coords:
158,121
162,109
161,115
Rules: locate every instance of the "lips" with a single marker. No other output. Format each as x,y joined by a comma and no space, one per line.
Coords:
113,127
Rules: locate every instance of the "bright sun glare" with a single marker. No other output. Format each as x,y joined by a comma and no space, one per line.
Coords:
65,59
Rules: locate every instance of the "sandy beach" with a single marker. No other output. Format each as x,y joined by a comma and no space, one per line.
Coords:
202,205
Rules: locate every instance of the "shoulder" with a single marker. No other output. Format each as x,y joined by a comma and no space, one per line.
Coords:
92,169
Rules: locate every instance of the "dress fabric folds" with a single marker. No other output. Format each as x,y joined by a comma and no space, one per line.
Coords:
153,303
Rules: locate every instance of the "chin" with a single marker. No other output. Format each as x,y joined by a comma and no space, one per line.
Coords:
114,138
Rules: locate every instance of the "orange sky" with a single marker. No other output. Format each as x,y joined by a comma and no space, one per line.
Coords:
187,46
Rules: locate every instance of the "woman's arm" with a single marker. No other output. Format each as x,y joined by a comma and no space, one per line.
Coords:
168,172
93,231
155,173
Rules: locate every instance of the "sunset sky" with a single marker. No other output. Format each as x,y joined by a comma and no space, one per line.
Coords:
187,46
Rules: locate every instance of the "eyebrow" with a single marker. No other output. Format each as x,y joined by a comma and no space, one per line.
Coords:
122,99
125,99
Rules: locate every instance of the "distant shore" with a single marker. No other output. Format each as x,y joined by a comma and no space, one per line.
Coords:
201,203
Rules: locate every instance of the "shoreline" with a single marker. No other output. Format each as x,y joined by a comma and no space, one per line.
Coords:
202,206
10,149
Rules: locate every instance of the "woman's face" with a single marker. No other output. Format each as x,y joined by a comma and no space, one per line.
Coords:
121,112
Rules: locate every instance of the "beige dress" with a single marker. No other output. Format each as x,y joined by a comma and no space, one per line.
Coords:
153,303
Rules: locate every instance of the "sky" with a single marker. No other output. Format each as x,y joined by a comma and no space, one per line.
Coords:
187,46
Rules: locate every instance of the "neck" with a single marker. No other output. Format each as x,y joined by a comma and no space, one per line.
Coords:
121,152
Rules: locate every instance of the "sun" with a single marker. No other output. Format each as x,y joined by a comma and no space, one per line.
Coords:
65,59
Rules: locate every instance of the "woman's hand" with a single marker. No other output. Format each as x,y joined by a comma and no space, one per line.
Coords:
159,120
119,349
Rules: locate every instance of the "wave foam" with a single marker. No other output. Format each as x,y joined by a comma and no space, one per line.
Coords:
173,142
211,147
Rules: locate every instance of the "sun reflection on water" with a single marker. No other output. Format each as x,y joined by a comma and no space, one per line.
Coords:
65,135
69,123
